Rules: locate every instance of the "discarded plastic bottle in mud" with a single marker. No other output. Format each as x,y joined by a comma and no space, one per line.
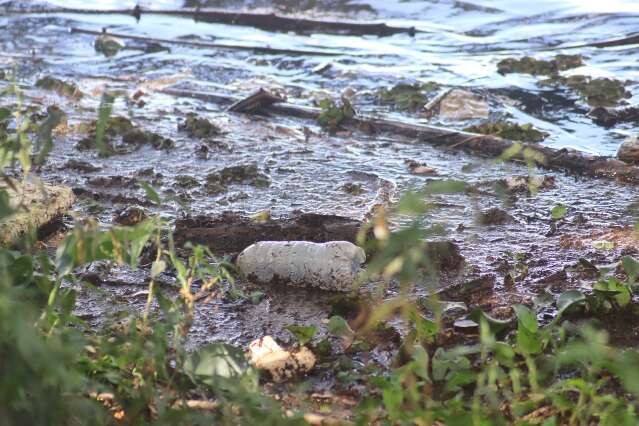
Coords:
334,265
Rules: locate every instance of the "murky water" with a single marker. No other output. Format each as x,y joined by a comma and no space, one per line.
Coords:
460,46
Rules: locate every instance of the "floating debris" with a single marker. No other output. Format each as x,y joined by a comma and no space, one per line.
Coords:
107,45
331,266
420,168
528,184
256,102
265,354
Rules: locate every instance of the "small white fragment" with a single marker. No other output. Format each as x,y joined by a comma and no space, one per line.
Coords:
266,354
330,266
629,150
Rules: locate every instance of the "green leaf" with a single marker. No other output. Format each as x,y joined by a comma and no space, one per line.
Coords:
4,113
529,339
527,342
425,328
631,266
558,212
157,268
303,334
504,353
569,299
151,194
339,327
216,361
526,318
614,289
104,112
496,325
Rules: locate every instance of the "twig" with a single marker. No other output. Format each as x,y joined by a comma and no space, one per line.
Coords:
206,45
264,21
569,160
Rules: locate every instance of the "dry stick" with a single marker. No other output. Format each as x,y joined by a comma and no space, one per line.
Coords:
201,44
264,21
566,159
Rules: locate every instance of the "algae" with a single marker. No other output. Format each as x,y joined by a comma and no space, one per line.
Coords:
408,97
62,88
597,92
122,128
334,114
530,65
510,131
218,181
198,127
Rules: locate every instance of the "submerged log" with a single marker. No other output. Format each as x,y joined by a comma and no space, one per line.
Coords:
36,205
264,21
569,160
232,232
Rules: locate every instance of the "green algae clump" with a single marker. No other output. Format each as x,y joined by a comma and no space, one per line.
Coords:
510,131
407,97
598,92
62,88
216,182
198,127
530,65
121,127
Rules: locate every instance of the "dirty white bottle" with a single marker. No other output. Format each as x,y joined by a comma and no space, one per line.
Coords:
330,266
